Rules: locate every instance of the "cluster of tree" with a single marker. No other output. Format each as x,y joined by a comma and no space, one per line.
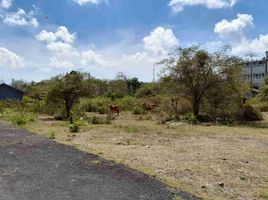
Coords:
212,83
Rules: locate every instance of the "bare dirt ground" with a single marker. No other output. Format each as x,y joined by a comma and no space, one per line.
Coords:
212,162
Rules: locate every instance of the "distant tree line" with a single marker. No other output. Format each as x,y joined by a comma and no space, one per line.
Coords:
209,84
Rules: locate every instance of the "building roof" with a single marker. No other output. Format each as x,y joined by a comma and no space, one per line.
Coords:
9,86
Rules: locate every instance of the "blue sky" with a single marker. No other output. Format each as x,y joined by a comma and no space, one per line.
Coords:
42,38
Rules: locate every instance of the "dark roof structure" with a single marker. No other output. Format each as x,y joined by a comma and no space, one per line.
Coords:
8,92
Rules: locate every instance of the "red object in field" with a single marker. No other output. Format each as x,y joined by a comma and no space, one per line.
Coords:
114,108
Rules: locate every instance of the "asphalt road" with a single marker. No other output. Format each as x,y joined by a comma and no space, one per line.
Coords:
35,168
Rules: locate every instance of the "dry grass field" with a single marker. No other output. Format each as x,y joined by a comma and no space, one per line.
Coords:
212,162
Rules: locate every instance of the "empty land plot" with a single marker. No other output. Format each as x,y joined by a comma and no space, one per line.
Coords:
213,162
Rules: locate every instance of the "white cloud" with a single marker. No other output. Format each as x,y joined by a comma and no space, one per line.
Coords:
64,54
155,46
10,59
46,36
91,58
234,30
160,41
258,45
234,33
138,59
83,2
178,5
60,63
20,18
62,33
6,4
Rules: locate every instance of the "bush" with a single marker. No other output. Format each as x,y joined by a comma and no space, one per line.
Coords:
263,107
103,110
251,114
51,135
99,120
190,118
22,119
19,120
98,104
75,127
126,103
204,118
148,90
138,110
163,117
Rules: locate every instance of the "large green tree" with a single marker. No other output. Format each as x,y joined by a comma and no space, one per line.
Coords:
198,72
68,89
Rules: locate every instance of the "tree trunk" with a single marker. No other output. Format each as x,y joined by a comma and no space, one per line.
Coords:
67,111
196,107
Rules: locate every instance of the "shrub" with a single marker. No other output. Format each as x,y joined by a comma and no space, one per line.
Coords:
99,120
163,117
103,110
204,118
148,90
138,110
251,114
22,119
263,107
75,127
126,103
51,135
98,104
190,118
19,120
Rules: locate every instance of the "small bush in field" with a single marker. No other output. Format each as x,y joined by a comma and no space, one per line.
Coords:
102,110
22,119
51,135
251,114
263,107
19,120
98,120
75,127
190,118
163,117
138,110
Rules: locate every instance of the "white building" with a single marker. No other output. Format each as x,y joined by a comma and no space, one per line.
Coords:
254,72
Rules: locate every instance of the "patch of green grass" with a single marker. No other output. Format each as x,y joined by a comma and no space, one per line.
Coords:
23,118
263,193
96,162
128,129
51,135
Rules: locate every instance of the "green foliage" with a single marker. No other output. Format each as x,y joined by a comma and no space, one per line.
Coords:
198,73
51,135
190,118
251,114
133,84
75,127
101,104
138,110
263,107
23,118
67,90
264,90
100,120
148,90
27,100
103,110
